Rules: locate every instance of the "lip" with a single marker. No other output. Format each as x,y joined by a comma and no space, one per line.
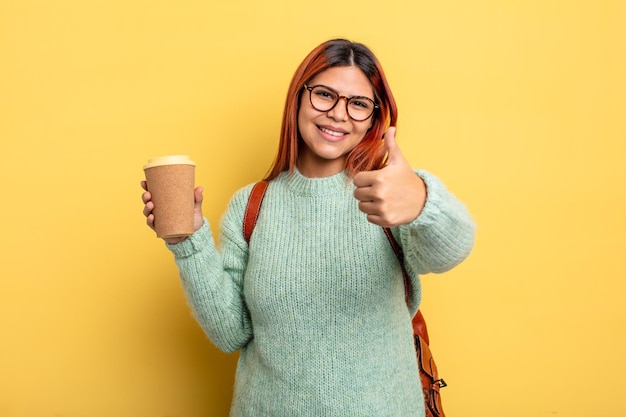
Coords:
323,129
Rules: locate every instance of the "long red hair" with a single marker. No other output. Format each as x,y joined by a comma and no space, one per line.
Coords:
369,153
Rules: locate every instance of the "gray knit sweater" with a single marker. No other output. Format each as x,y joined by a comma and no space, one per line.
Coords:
316,301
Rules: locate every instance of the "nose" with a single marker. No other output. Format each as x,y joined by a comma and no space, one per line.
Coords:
339,111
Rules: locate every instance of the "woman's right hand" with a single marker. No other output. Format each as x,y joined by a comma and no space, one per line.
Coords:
198,220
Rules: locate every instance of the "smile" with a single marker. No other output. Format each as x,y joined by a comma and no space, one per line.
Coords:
332,132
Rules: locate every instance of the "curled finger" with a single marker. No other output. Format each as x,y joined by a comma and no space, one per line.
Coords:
150,221
369,207
147,209
146,197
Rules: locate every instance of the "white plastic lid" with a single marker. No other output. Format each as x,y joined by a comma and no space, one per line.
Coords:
169,160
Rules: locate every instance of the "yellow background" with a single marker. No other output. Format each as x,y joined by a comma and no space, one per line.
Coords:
519,106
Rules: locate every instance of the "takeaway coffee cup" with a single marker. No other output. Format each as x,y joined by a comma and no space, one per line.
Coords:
170,180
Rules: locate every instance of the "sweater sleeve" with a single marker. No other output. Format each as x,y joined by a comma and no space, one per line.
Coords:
213,279
442,236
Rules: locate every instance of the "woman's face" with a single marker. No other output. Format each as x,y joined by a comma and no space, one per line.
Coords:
329,136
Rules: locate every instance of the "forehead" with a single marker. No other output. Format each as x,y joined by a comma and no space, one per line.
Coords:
348,81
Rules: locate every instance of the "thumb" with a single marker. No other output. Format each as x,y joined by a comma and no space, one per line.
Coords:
198,197
394,154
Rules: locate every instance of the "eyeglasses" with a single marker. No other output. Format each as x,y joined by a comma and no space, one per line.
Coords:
325,99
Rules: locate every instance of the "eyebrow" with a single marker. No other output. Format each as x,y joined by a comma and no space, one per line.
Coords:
339,94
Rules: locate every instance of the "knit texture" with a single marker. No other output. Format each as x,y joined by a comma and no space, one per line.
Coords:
316,302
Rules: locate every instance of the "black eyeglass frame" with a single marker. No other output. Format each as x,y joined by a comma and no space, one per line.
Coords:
339,97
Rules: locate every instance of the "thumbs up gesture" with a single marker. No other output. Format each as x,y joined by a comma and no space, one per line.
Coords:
393,195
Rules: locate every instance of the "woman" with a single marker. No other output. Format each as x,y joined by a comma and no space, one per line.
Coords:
316,300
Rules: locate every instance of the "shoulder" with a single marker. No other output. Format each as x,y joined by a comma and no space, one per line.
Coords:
242,194
232,219
238,202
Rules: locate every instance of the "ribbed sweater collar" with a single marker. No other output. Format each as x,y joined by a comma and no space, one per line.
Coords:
299,184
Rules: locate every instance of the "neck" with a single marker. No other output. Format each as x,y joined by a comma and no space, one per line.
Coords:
314,167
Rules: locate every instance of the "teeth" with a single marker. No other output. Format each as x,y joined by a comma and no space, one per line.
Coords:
331,132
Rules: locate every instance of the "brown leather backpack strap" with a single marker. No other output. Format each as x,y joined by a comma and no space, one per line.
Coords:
419,324
252,209
397,249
